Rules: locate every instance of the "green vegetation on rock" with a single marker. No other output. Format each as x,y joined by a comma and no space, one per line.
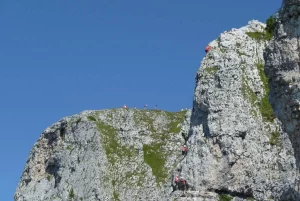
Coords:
265,35
116,196
176,119
49,177
154,154
260,36
270,28
274,140
224,197
211,70
113,149
71,194
162,126
263,104
155,158
91,118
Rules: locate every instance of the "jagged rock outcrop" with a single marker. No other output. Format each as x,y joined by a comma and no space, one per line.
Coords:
237,146
238,149
120,154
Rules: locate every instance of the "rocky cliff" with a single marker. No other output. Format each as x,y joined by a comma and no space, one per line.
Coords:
242,132
120,154
283,69
237,146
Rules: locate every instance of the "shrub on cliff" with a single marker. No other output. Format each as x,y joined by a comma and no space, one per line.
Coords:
270,25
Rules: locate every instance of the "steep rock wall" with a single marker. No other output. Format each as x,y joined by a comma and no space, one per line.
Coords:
283,69
237,146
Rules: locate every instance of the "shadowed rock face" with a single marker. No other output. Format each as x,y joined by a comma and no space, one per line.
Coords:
282,67
243,132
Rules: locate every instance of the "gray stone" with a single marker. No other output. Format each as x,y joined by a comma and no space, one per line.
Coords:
243,142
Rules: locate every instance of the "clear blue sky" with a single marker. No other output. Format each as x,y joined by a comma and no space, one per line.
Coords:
59,58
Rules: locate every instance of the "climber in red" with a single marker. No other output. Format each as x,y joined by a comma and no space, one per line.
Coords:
207,49
184,150
183,185
176,180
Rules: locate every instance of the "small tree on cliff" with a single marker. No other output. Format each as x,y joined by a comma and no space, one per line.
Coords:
270,25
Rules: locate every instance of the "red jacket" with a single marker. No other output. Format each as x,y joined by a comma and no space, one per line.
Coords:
207,49
184,148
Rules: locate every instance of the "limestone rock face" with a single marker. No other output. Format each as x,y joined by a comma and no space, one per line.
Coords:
282,67
237,146
242,133
121,154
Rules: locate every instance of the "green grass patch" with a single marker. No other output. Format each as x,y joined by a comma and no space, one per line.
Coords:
49,177
265,106
91,118
211,70
116,196
260,36
69,147
224,197
114,150
174,127
71,194
274,140
265,35
154,157
154,154
175,120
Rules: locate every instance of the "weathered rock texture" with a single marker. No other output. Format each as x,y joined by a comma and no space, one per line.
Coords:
121,154
283,69
238,148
